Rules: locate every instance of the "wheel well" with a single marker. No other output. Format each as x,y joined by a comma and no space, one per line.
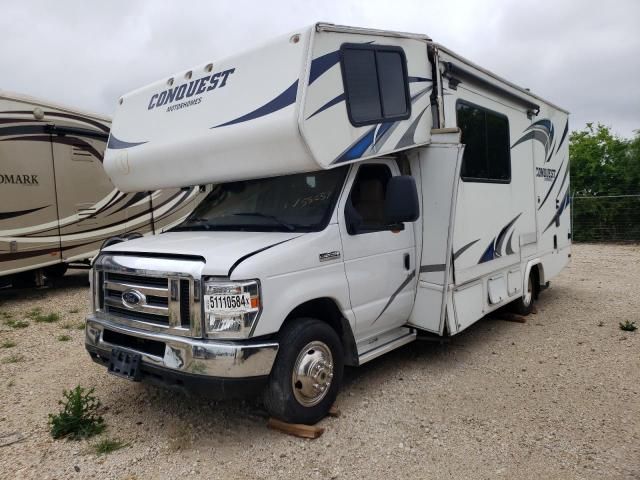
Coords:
326,310
535,271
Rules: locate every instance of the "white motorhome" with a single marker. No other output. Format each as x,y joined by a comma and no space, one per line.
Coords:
368,186
57,204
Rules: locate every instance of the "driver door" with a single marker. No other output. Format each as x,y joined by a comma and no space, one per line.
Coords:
379,263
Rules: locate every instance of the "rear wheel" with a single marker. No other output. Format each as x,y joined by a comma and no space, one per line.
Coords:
524,304
307,373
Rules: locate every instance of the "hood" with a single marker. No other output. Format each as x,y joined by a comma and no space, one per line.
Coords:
220,250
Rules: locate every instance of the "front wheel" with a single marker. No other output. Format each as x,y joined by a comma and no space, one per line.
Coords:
55,272
307,373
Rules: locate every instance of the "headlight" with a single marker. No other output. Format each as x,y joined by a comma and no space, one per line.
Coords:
231,309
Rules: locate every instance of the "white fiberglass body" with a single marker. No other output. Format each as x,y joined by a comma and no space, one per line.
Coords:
367,185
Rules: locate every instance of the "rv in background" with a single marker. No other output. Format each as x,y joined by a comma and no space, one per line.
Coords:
57,204
369,186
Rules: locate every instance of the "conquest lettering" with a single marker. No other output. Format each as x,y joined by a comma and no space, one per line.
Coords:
194,87
547,173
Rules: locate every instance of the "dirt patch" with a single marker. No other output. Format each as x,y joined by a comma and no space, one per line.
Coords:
555,397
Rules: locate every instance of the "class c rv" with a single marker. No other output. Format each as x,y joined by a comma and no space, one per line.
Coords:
365,187
57,204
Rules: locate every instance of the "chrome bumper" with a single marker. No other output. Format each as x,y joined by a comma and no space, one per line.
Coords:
221,359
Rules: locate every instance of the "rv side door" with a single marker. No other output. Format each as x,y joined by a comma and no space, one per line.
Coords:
379,258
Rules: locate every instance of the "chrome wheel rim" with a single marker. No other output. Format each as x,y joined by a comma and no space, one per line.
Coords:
528,296
312,374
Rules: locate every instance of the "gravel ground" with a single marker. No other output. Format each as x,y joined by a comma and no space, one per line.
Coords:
555,397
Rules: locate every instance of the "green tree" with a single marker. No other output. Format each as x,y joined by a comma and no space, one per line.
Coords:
605,170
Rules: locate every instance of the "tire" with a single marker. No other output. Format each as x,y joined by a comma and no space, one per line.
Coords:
55,272
291,394
524,305
24,280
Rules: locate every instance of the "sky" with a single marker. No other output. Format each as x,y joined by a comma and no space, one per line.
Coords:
583,55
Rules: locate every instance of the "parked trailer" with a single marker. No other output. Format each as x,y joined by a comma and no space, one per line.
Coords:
57,204
371,185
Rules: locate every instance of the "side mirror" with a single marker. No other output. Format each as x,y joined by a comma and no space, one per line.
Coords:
401,202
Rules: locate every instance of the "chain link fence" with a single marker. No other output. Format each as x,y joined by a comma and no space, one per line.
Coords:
605,218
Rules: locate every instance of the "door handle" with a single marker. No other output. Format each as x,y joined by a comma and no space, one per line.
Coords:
407,261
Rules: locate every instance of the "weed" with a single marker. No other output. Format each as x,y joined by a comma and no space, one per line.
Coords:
5,315
628,326
11,383
39,317
74,310
108,445
78,418
13,323
73,325
601,323
64,338
8,344
15,358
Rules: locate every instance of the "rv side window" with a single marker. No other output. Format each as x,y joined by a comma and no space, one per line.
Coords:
375,83
487,154
366,201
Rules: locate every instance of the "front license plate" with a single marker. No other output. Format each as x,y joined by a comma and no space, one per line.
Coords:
125,364
227,303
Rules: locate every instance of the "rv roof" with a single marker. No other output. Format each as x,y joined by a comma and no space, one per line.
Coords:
498,78
37,102
330,27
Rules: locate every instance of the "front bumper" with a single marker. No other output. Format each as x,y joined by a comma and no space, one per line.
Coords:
180,356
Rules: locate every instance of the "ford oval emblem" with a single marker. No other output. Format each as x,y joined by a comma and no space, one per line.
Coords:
132,298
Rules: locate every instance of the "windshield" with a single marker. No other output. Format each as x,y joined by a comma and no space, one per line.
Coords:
301,202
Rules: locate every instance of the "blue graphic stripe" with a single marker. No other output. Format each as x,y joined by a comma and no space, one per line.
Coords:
395,294
494,249
329,104
321,64
542,131
490,253
116,143
283,100
381,131
564,135
503,234
357,149
563,204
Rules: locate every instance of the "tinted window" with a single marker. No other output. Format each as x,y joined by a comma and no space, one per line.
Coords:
392,83
367,197
360,75
375,83
486,138
300,202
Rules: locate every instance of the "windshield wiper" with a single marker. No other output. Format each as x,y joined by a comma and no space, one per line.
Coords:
191,228
286,225
194,223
